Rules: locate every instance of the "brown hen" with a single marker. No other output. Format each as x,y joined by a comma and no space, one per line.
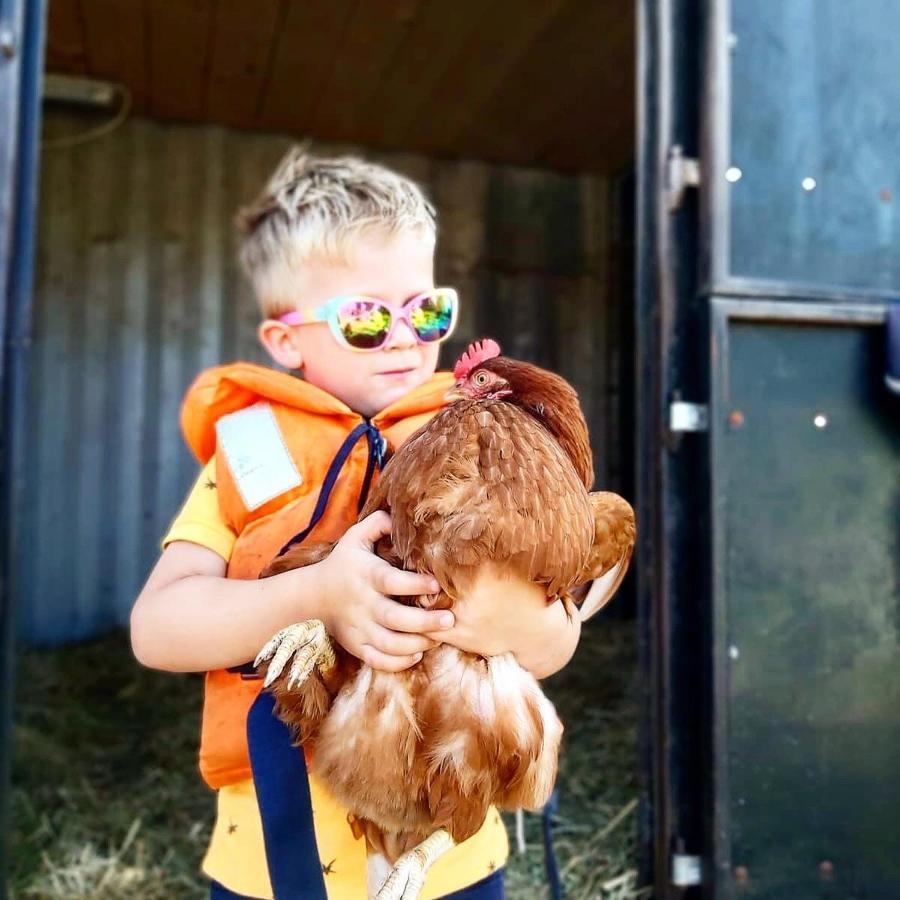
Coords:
500,477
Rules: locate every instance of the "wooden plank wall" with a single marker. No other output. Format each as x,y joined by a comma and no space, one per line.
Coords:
137,289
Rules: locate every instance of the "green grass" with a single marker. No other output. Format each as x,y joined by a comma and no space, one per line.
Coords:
107,802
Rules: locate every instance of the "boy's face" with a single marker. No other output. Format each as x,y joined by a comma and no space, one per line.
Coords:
391,268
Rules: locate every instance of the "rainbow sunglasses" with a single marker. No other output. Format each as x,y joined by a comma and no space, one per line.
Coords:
367,323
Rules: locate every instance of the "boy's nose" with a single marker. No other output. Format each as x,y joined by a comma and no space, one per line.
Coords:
402,337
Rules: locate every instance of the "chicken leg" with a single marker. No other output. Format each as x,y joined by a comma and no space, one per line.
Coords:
308,643
407,877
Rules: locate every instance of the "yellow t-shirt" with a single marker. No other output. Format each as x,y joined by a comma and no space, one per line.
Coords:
236,854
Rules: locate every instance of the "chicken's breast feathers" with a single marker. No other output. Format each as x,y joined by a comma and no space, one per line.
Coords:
484,481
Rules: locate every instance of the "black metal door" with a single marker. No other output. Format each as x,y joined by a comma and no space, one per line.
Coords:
771,591
806,513
801,209
21,62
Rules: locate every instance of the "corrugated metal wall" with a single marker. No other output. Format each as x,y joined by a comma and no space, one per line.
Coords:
137,290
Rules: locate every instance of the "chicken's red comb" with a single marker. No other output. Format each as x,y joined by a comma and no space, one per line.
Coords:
476,353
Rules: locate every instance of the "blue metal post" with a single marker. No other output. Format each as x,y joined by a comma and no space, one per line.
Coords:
22,25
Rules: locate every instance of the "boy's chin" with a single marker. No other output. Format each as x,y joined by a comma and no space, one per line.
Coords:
388,391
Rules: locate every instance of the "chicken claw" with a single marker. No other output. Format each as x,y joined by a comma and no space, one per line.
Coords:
307,642
408,875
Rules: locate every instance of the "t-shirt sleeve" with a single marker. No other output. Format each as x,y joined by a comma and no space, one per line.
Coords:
200,519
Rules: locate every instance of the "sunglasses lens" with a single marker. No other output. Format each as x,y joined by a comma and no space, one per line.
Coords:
364,324
432,315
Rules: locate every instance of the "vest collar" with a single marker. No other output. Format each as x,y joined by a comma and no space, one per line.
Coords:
226,389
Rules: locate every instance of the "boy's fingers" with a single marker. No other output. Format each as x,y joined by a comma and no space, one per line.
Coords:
371,528
378,660
388,580
397,617
397,643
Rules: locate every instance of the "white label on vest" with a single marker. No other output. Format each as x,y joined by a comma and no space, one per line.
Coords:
257,455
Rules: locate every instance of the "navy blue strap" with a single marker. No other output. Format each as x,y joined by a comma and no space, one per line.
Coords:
551,865
490,888
376,455
285,807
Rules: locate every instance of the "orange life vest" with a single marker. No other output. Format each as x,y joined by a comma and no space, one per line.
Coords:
274,438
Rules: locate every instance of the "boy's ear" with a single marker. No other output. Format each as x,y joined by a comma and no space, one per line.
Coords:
281,342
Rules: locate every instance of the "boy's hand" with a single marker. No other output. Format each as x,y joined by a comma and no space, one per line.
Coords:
504,614
358,613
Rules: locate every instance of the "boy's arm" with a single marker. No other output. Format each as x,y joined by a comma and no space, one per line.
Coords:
190,618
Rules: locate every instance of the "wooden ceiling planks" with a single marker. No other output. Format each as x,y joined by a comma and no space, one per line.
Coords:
116,44
532,82
303,56
428,52
504,34
243,37
547,90
374,33
178,37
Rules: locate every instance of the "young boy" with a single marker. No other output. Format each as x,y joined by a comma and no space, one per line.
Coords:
340,253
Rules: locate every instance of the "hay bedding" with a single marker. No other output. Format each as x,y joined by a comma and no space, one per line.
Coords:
107,804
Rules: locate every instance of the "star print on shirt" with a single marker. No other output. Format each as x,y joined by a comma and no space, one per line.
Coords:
210,484
232,828
328,869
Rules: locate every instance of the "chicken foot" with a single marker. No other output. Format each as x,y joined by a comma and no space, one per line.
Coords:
308,643
408,874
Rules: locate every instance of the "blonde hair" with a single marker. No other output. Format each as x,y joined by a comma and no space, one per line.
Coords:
311,208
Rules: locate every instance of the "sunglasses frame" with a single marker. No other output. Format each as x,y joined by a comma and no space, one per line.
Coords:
328,311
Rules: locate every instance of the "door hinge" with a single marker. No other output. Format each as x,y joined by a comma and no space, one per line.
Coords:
688,417
684,172
686,870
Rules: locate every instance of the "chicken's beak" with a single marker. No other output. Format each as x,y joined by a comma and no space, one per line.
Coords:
455,393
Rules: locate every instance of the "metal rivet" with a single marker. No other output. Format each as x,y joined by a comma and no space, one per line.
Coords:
885,195
733,174
820,420
741,874
7,43
826,870
809,184
734,652
736,418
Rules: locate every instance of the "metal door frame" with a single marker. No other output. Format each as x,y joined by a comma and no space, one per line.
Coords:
671,323
22,28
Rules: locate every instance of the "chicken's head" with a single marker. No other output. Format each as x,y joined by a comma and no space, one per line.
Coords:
475,378
483,374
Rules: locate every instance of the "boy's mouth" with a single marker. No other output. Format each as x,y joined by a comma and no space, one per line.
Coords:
398,371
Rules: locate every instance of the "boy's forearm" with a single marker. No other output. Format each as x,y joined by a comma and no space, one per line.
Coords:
547,648
204,622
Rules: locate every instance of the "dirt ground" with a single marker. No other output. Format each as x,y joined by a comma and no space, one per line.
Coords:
107,803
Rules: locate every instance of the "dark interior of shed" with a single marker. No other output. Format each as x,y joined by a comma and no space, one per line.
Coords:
519,121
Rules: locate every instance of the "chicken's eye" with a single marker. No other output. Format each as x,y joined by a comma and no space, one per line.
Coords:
481,379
